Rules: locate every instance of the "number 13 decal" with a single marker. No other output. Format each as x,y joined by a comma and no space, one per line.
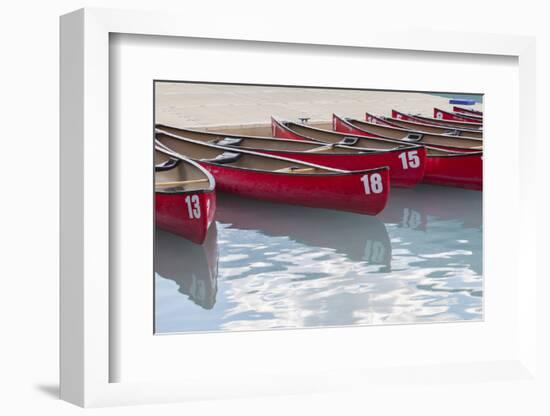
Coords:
193,206
410,159
372,183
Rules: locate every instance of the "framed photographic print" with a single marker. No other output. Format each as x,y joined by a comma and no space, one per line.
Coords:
268,242
261,214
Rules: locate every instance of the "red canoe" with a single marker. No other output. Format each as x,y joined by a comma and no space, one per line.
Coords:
454,143
467,111
185,199
423,127
462,125
284,180
476,119
462,169
443,167
403,173
446,115
290,130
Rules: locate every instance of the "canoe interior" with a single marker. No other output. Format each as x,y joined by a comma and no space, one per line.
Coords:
249,142
400,134
433,129
182,171
227,157
451,123
328,136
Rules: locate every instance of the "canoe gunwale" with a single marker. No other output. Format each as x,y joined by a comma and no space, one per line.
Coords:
443,136
430,121
231,135
211,180
427,146
354,150
464,118
404,146
328,171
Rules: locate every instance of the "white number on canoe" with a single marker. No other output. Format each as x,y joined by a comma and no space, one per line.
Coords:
374,251
193,206
372,183
439,115
410,159
411,219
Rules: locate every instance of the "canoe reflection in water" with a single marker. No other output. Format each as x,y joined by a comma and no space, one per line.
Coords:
283,266
192,266
411,208
358,237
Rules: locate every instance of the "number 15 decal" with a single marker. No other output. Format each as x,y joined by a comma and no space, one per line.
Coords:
410,159
372,183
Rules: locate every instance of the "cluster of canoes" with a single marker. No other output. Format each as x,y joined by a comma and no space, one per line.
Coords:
346,165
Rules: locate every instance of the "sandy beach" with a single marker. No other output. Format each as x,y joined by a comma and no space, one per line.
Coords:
217,105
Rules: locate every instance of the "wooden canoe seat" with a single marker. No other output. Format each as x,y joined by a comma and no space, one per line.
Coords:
295,169
349,141
320,148
175,184
452,132
413,137
167,165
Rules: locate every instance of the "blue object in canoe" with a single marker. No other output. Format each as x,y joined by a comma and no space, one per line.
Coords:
461,102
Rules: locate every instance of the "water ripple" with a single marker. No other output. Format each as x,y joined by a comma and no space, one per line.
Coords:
280,266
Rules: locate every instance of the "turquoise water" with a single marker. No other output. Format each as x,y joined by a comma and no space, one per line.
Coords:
478,98
268,266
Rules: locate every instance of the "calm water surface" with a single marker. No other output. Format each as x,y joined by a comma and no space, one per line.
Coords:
269,265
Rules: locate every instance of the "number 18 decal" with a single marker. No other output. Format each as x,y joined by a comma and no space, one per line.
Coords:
409,159
372,183
193,206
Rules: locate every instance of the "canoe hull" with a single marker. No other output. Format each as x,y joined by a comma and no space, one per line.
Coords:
445,115
346,191
342,127
461,125
432,128
467,111
188,214
460,171
402,173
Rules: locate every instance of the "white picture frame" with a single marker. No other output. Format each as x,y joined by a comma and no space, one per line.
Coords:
87,356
